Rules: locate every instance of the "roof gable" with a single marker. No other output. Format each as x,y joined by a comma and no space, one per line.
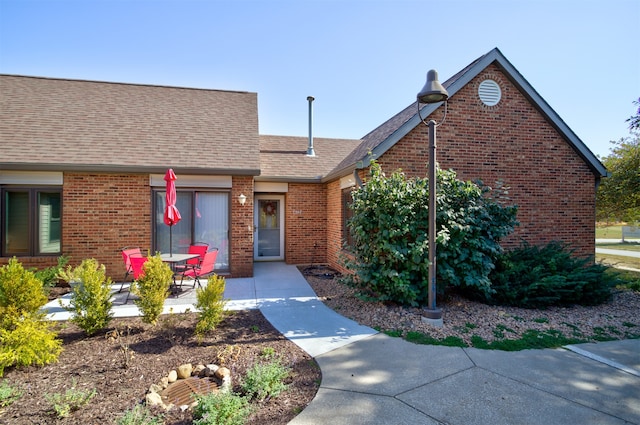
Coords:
381,139
56,124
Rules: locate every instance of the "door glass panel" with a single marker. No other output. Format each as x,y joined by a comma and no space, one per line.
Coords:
212,224
179,234
269,228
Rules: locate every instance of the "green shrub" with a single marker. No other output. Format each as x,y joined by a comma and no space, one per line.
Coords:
152,288
535,277
8,394
91,297
390,227
27,341
265,380
72,400
210,303
49,276
139,415
25,338
21,292
221,408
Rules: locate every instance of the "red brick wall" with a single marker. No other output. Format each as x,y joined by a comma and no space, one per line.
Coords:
105,212
306,224
512,142
242,228
334,223
101,214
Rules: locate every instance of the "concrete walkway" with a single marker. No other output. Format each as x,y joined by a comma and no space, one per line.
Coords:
618,252
370,378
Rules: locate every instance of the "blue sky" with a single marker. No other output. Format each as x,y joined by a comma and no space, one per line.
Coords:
362,60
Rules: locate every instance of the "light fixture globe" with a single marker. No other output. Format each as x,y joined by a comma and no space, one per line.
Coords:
432,92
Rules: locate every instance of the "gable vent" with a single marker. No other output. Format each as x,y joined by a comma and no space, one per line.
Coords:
489,92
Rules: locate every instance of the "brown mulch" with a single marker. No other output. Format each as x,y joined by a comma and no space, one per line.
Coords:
98,362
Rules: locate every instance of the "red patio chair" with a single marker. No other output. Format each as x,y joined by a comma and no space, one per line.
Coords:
137,266
199,248
127,254
203,270
137,270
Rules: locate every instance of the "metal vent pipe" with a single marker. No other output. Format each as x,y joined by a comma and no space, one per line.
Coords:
310,150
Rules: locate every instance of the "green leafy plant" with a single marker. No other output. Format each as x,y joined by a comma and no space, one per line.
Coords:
221,408
390,229
210,304
536,277
265,380
25,337
8,394
91,297
139,415
268,353
63,404
50,275
152,288
27,342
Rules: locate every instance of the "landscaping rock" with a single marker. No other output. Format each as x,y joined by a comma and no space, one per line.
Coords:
184,371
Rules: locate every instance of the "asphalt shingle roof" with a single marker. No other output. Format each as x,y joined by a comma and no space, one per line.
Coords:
54,124
285,157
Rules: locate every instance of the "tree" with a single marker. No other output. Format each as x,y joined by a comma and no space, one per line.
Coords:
390,234
618,196
634,120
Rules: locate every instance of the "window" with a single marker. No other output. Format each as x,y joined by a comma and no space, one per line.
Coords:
347,213
205,218
31,221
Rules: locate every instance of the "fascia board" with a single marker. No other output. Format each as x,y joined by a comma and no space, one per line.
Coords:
545,109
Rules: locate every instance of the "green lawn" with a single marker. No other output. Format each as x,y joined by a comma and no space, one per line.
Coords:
619,261
611,232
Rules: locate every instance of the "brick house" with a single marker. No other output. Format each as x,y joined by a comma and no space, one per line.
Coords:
81,167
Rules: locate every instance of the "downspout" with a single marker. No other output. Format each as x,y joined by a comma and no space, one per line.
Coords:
310,150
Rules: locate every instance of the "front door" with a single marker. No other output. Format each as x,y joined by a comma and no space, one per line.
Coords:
269,228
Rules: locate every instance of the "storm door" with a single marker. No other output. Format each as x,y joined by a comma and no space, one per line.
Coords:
269,228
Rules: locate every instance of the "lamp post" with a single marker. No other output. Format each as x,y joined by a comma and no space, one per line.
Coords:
432,92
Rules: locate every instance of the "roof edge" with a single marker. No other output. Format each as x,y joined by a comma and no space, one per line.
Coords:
127,169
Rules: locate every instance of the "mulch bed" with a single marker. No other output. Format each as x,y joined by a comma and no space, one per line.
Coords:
98,362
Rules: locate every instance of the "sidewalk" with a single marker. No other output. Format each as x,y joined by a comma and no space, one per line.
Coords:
370,378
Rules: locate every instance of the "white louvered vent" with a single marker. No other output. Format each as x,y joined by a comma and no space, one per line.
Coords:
489,92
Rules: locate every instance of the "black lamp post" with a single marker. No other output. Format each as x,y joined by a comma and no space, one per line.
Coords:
432,92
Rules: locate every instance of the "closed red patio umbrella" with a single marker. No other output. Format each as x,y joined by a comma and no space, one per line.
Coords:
171,213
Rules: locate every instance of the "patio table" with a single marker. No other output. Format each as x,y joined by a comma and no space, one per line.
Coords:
173,260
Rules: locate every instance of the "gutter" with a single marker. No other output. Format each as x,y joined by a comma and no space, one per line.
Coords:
129,169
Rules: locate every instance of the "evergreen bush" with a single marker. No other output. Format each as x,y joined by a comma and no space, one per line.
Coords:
21,292
152,288
210,304
28,340
25,337
91,297
549,275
